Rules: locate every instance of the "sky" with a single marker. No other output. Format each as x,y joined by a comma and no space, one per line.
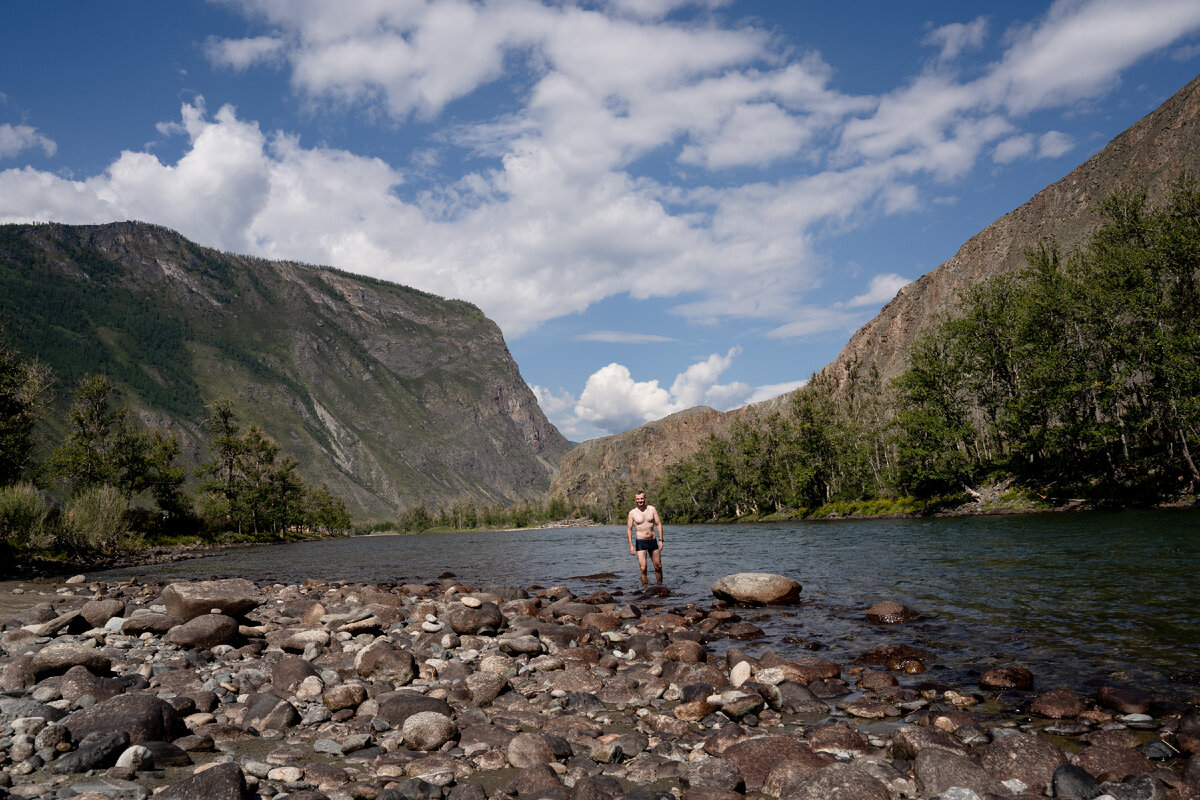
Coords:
661,203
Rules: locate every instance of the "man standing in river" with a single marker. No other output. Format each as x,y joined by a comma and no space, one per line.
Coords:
643,519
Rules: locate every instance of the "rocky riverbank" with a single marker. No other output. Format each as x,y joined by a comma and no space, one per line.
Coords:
231,690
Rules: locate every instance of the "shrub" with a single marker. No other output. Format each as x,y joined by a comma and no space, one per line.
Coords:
24,519
97,521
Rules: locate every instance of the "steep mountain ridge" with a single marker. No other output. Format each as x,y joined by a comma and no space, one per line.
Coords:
390,395
1149,155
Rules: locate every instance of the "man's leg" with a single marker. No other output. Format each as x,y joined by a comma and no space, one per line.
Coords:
657,560
641,554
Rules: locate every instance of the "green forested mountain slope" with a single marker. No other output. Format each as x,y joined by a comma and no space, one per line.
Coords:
390,395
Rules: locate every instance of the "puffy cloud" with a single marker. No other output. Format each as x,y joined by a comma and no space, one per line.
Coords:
1013,148
15,139
613,401
880,290
1053,144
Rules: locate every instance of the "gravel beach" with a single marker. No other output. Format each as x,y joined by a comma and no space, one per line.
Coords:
239,689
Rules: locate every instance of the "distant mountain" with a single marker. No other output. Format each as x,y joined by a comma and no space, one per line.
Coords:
605,472
390,395
1149,155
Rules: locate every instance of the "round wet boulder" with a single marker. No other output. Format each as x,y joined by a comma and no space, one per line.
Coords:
757,589
888,612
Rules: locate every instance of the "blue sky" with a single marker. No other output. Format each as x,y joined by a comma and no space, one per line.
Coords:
662,203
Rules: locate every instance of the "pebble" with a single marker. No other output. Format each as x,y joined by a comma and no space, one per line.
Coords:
540,704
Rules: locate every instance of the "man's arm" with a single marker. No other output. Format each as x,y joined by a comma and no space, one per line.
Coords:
658,521
629,530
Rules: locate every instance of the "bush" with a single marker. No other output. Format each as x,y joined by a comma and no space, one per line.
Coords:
24,519
97,521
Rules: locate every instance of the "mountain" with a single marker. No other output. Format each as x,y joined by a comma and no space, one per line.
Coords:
605,472
1149,155
389,395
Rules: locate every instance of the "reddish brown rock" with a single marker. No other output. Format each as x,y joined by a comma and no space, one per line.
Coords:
1124,699
1107,763
757,758
1007,678
888,612
1058,704
1025,757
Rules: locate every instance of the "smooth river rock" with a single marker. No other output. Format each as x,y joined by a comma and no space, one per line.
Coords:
757,588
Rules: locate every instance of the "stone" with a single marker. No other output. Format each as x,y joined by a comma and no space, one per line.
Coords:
144,717
384,661
99,612
289,671
428,730
939,770
231,596
485,687
1106,762
529,749
1007,678
1070,780
396,707
101,753
204,632
57,658
838,781
466,620
151,622
1024,756
888,612
838,739
345,695
534,781
1058,704
79,681
755,758
716,773
267,712
757,588
686,650
221,781
1124,699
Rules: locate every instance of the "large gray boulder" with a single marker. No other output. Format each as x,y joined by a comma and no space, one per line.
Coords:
757,589
231,596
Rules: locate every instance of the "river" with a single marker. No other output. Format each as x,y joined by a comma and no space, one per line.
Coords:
1075,598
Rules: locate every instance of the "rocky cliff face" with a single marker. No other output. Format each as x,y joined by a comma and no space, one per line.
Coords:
1149,155
390,395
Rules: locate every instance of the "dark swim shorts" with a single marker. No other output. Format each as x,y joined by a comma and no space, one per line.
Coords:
649,545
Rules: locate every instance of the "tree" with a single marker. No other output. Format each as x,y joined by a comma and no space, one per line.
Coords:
104,448
251,483
23,384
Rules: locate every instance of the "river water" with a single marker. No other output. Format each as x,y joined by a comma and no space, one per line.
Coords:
1076,598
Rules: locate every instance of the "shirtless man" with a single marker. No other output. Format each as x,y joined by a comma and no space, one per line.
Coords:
644,518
